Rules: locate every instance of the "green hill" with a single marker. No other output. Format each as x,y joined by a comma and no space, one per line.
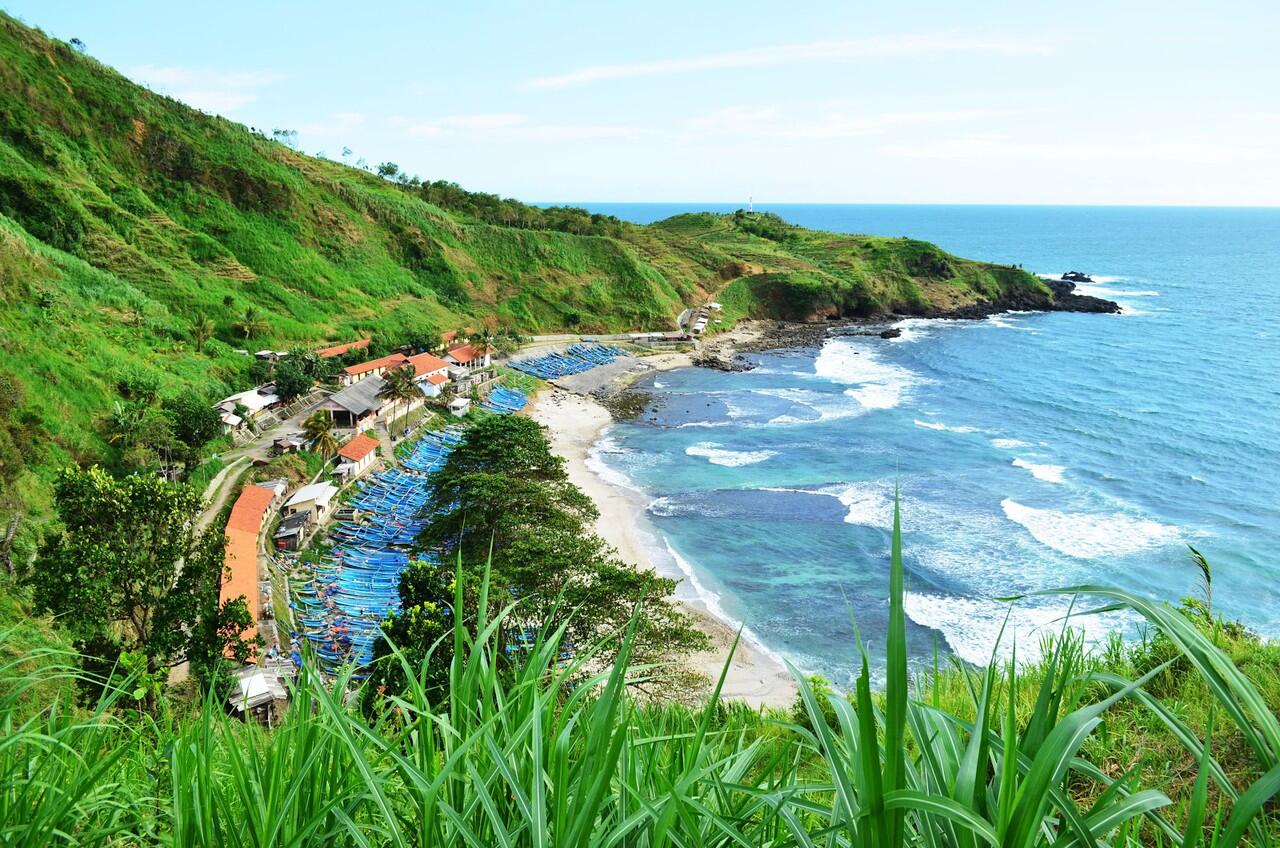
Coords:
127,217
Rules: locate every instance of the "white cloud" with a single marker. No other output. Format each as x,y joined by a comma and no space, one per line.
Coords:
210,90
996,148
846,50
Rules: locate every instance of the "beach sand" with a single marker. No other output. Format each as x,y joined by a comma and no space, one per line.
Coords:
574,423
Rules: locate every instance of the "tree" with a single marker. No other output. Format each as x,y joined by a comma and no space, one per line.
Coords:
398,386
309,362
507,341
195,421
289,138
291,379
421,629
318,428
388,170
201,331
502,497
252,323
129,575
484,338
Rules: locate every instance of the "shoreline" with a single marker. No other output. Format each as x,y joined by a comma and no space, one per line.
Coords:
575,423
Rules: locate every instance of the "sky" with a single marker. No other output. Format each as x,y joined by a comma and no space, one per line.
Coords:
1079,102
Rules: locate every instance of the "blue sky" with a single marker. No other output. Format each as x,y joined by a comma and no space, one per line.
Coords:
926,102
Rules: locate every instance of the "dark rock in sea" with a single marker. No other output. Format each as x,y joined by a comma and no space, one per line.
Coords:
1066,300
891,333
1077,277
629,404
717,362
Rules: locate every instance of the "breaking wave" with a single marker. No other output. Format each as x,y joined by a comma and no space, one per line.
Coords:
717,454
1088,536
971,626
1047,473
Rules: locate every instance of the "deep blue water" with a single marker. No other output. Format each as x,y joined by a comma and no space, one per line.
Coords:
1032,451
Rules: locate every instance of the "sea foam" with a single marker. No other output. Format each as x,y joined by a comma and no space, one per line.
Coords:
1047,473
875,384
825,406
971,626
717,454
938,425
597,465
1087,536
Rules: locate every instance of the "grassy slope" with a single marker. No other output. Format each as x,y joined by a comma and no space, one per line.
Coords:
126,216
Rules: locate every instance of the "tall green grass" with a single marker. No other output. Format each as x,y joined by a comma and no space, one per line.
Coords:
552,750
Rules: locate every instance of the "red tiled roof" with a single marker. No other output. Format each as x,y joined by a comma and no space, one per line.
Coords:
464,353
425,363
358,448
437,379
389,361
338,350
240,561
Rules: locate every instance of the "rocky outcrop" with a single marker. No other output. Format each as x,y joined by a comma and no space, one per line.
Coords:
719,362
1066,300
1062,298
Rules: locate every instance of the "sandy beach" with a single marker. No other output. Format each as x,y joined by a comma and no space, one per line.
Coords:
575,422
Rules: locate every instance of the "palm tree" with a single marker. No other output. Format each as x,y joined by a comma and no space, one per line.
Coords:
318,428
252,323
201,332
398,385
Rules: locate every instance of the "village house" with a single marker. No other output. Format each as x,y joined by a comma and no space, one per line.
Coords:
433,386
430,373
355,406
355,457
241,554
314,499
291,443
288,536
460,406
255,404
353,374
468,356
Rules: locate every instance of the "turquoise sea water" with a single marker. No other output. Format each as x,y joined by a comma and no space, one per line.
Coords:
1032,450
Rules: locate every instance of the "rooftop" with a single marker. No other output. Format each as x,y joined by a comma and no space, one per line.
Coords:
359,398
464,353
241,555
315,492
338,350
389,361
425,363
358,448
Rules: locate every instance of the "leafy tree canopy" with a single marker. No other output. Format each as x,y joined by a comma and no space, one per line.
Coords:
129,574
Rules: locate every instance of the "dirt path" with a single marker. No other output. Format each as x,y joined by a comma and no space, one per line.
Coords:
219,489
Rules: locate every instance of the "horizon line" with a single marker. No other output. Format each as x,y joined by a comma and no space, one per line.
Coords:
1082,205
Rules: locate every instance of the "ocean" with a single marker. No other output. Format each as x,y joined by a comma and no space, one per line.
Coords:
1032,451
